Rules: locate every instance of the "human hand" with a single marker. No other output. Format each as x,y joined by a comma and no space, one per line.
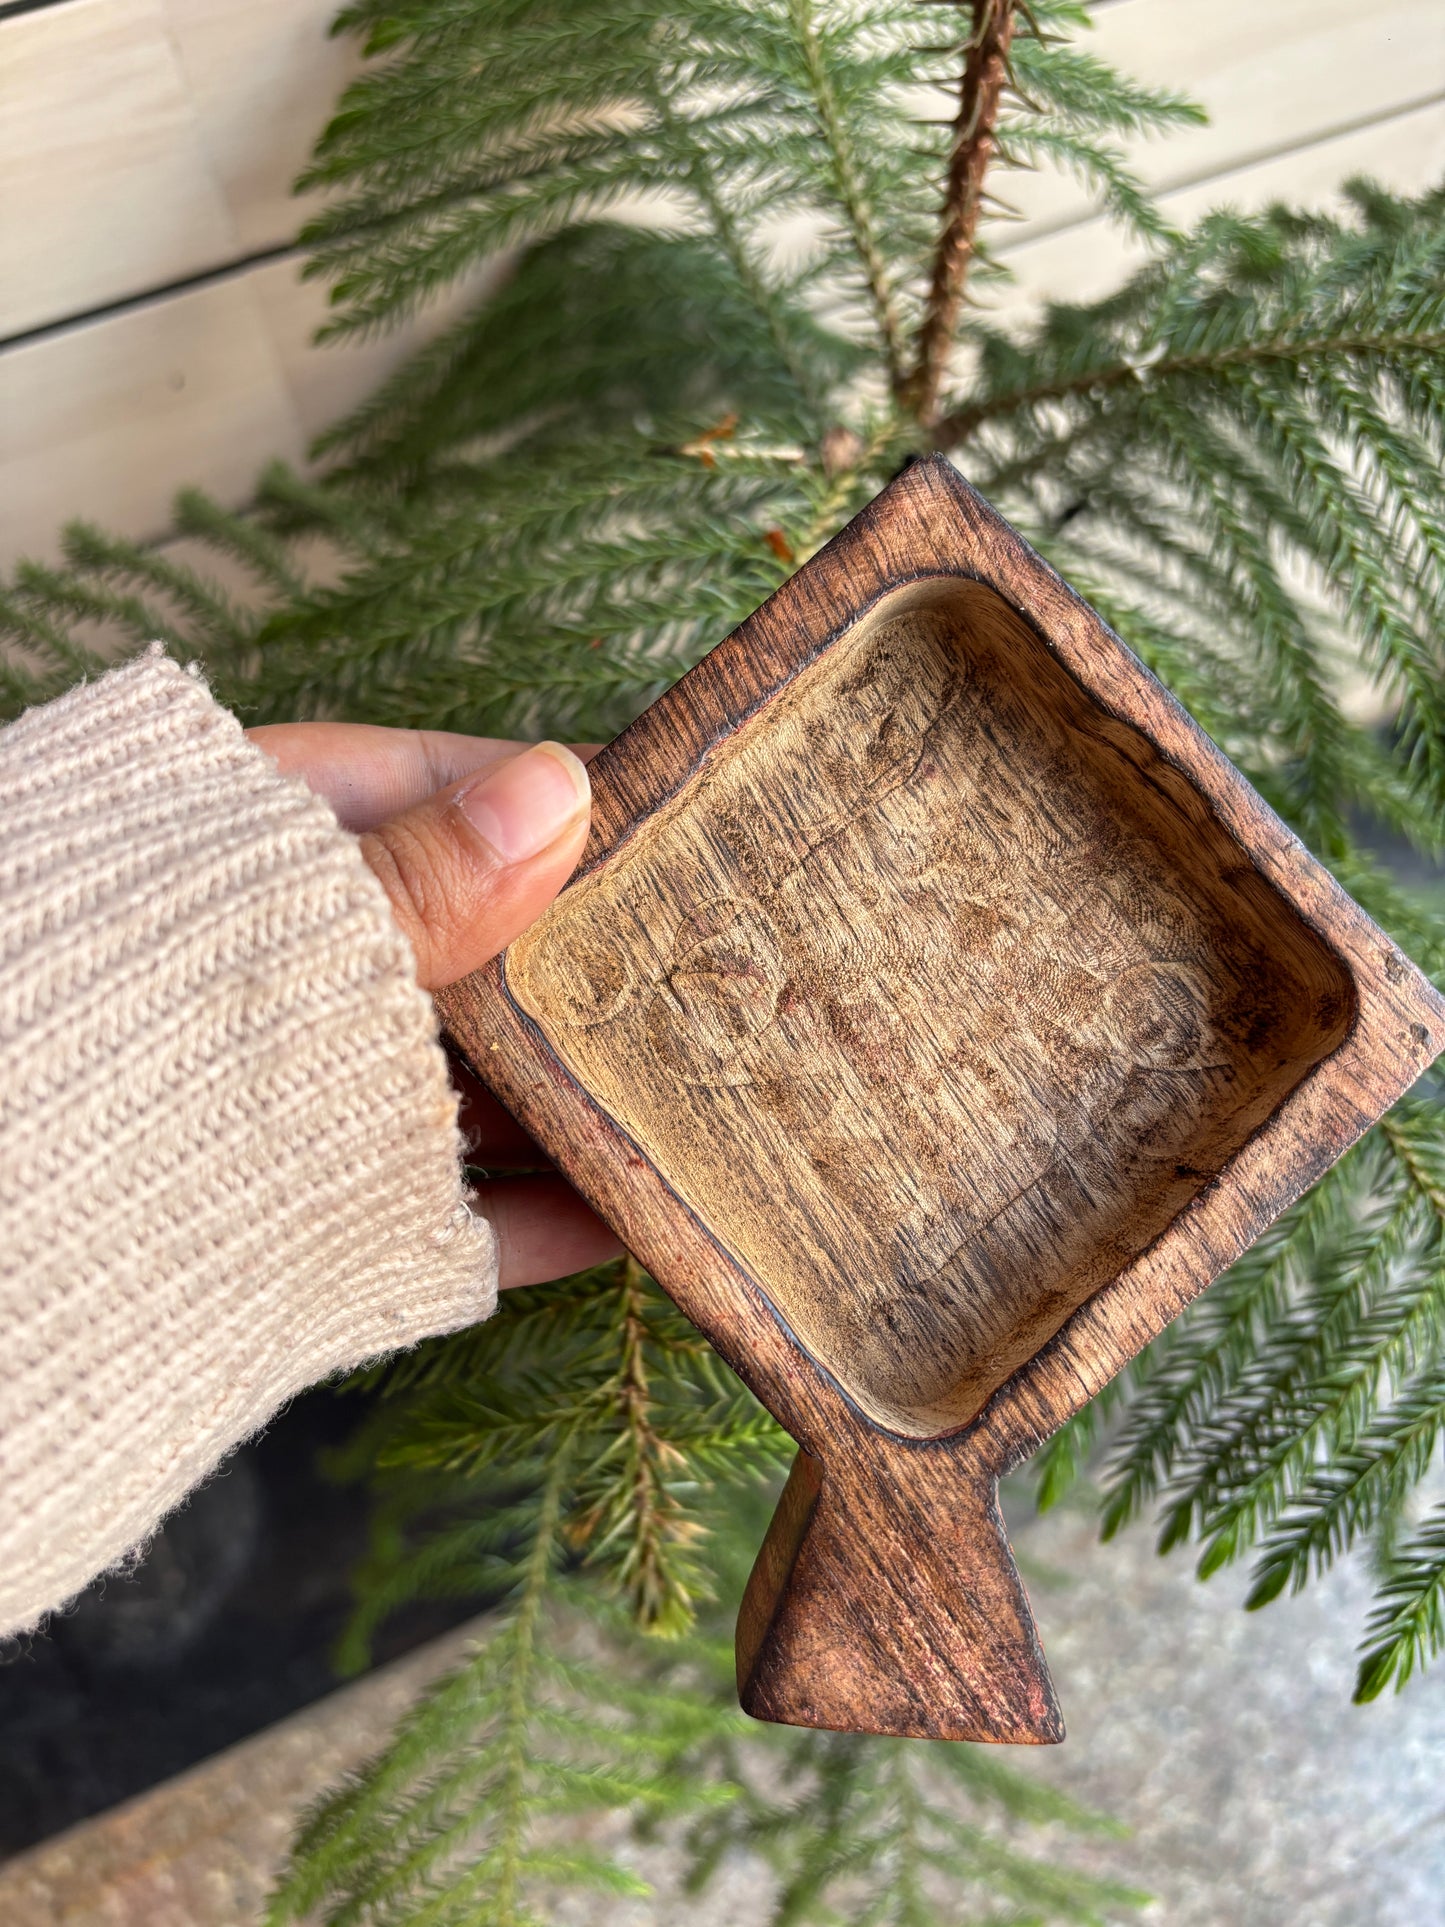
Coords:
471,838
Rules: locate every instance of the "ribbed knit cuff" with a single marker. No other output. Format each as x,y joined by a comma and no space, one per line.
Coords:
229,1162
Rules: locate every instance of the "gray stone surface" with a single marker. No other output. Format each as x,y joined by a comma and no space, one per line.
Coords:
1256,1794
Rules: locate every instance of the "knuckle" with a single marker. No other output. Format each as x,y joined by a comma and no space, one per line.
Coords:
413,874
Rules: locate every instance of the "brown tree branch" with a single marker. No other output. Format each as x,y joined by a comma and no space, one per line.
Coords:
985,72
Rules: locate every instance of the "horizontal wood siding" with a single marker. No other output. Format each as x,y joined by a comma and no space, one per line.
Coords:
143,142
1082,261
153,328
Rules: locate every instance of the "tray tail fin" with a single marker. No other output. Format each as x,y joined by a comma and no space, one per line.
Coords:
840,1629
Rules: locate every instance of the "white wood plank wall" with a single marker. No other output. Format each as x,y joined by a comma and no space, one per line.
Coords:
153,328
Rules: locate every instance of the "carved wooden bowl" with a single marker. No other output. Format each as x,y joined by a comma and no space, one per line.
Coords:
935,1013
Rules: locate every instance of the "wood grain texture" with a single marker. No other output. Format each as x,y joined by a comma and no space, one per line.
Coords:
145,141
936,1013
108,421
984,997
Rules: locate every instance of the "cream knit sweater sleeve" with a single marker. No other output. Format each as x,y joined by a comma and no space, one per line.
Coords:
228,1149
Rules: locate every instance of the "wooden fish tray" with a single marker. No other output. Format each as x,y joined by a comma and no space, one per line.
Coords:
935,1013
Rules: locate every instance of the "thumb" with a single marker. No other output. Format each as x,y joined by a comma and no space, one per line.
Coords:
470,868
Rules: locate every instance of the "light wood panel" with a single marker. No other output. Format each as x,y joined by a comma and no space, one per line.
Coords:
106,185
150,139
1272,75
146,141
1085,260
108,420
265,76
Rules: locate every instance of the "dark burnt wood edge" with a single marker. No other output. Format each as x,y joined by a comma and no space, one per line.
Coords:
773,1566
1289,868
1028,1423
731,1346
814,1415
629,758
843,1627
665,750
1020,1414
756,660
1012,1426
761,657
1224,788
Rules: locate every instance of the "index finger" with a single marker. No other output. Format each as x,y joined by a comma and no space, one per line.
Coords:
369,774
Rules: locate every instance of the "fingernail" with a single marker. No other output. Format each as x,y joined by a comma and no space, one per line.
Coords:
524,804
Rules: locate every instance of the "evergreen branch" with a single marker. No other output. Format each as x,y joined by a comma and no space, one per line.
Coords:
1355,1490
1127,563
956,428
1345,541
981,88
348,1846
74,595
42,637
1071,84
870,1819
1413,1131
1198,1360
643,1518
1226,484
852,195
511,1806
89,550
263,555
699,175
1097,165
1319,1391
1407,1629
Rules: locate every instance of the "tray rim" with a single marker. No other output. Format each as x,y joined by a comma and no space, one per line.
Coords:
930,524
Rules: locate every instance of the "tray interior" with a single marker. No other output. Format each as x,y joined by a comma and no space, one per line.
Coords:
935,994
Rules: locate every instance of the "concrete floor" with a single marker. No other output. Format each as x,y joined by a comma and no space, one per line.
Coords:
1256,1794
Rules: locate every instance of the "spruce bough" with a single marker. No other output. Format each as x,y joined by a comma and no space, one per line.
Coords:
750,250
